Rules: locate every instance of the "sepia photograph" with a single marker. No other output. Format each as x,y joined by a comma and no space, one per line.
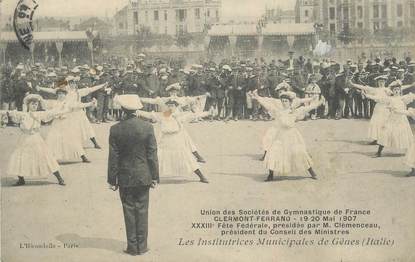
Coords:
207,130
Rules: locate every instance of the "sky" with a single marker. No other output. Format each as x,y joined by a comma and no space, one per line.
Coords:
101,8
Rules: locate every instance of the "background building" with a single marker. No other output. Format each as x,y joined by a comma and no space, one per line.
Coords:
169,17
275,14
358,16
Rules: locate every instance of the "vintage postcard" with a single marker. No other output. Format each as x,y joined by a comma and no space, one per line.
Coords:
207,130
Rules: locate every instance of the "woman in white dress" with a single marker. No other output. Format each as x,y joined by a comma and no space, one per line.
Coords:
410,154
396,133
174,155
74,95
64,143
183,101
31,158
270,133
288,152
381,112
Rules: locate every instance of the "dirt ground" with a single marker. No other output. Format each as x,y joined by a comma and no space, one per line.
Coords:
87,214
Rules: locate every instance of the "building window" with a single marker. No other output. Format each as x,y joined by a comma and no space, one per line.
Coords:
399,10
332,29
217,14
121,26
360,11
376,11
345,13
165,15
136,18
332,13
306,13
384,25
208,13
400,24
156,15
197,13
412,9
181,15
146,15
360,25
384,11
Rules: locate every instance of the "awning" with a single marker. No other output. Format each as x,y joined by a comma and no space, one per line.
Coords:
64,36
288,29
235,30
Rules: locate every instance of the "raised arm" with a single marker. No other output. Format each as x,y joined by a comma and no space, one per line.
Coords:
88,90
270,107
409,98
45,90
302,101
148,115
378,99
186,117
367,89
93,103
302,111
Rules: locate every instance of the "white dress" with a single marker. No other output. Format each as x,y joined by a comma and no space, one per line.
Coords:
84,126
183,101
81,123
380,115
288,153
174,156
397,133
410,154
272,131
64,137
31,158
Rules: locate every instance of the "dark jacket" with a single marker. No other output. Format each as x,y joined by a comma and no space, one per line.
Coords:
132,157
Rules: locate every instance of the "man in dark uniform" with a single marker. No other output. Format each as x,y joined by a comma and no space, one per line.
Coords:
133,167
238,94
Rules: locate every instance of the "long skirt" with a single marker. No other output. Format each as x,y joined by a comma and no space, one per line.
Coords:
84,126
189,141
32,158
175,158
378,121
268,138
288,153
397,133
64,141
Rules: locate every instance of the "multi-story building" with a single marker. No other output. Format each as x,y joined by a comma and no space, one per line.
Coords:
170,17
369,15
277,15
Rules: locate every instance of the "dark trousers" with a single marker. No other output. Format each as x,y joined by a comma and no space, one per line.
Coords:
348,106
221,105
372,105
135,206
366,108
102,107
333,103
238,107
